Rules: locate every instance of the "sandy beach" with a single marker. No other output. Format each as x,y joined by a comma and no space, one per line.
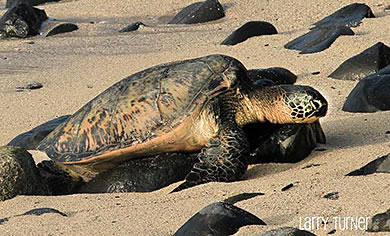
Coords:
75,67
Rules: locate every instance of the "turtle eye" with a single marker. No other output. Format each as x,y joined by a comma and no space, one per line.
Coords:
319,108
315,104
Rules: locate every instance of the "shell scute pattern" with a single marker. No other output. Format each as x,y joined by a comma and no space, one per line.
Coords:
141,107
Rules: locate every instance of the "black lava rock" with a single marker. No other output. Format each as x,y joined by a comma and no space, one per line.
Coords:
241,197
350,15
379,165
380,222
30,140
332,196
199,12
18,174
21,21
371,94
132,27
218,219
278,75
36,212
248,30
365,63
318,39
385,70
56,27
30,86
327,30
41,211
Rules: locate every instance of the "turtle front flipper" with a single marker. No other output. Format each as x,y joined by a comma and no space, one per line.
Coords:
222,160
59,180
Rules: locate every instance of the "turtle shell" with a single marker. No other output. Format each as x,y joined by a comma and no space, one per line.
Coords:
140,115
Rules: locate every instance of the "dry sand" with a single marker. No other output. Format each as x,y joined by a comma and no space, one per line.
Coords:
75,67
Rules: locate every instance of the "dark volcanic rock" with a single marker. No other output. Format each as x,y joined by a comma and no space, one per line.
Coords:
283,143
249,29
218,219
30,140
132,27
371,94
365,63
332,196
287,187
241,197
18,174
36,212
287,231
41,211
199,12
327,30
380,222
57,27
318,39
379,165
31,86
278,75
350,15
21,21
385,70
11,3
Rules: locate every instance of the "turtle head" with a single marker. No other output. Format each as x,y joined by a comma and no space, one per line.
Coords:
304,103
288,104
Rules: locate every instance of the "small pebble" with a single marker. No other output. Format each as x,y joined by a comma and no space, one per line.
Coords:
311,165
332,196
287,187
31,86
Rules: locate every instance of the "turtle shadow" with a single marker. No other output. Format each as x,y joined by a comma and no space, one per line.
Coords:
264,169
269,168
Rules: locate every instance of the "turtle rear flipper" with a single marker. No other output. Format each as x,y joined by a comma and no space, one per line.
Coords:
59,181
222,160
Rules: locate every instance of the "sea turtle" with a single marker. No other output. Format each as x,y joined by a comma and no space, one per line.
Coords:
196,105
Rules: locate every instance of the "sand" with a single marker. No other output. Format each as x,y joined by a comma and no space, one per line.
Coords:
76,67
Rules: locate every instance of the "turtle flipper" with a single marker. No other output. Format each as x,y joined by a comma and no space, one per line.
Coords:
58,180
222,160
